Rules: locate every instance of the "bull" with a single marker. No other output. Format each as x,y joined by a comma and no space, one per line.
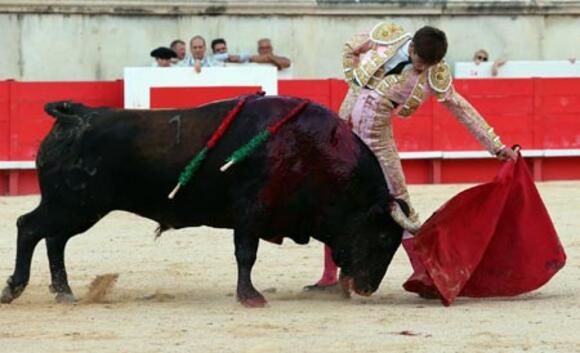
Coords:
314,178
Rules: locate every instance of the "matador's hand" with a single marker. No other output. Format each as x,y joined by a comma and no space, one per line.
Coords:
507,153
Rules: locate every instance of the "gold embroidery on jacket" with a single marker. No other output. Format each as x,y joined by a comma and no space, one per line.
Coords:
440,79
366,70
348,54
416,97
387,33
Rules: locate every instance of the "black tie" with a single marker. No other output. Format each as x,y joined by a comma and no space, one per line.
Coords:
397,69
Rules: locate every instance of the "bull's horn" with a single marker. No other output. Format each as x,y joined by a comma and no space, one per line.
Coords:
401,218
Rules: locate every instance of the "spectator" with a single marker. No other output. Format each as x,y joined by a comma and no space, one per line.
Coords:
198,57
482,56
178,46
163,56
220,53
219,46
266,55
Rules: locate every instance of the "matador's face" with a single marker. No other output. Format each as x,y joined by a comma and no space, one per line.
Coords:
418,63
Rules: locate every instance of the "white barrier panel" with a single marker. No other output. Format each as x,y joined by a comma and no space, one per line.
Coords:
519,69
139,80
285,74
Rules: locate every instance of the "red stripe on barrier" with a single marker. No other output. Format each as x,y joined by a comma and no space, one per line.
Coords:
540,113
338,89
454,170
558,112
4,120
315,90
29,123
4,132
417,133
561,168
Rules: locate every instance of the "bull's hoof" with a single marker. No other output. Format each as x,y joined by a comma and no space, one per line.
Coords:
9,293
64,294
255,302
65,298
7,296
252,299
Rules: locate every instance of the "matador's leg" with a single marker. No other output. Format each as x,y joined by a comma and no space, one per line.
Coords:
347,105
372,122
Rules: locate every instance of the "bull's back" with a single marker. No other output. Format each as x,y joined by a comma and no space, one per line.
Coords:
131,160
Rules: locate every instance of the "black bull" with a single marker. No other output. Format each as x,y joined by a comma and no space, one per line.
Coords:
314,178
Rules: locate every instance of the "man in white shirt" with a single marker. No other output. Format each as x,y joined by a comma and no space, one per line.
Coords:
198,58
266,55
220,53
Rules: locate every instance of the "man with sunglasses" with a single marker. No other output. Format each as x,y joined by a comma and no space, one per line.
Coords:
482,56
390,71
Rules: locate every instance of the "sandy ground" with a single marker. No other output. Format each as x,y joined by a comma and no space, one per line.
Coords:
175,294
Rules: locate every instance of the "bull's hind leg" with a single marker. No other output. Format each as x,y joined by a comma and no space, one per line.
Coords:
55,225
28,238
55,249
246,249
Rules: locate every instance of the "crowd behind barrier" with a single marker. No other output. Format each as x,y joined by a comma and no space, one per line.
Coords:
540,114
198,56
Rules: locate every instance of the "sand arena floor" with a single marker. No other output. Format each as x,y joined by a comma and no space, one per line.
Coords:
175,294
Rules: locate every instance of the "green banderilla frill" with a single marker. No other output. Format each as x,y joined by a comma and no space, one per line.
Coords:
243,152
192,167
196,162
189,171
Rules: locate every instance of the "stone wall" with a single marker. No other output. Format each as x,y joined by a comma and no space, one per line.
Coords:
94,40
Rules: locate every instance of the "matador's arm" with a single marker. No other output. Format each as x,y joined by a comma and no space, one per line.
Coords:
440,82
359,44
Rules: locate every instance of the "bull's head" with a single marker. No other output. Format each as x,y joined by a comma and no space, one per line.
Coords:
365,254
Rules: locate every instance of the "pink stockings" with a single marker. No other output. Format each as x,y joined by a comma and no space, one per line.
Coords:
329,275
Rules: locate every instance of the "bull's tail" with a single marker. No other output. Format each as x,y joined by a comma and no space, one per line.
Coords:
65,112
402,218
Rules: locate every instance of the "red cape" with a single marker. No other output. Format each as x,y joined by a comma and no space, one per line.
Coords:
495,239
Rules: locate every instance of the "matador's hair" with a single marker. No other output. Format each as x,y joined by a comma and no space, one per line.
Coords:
430,44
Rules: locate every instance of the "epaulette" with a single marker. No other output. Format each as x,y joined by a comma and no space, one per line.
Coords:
387,33
439,78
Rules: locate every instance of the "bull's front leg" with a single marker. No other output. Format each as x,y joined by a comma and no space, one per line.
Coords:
246,249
